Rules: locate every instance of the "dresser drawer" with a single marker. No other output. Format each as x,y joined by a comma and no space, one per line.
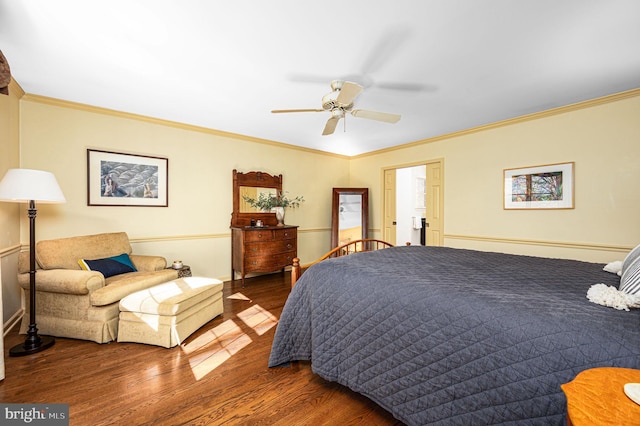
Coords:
285,234
268,263
270,235
261,235
269,247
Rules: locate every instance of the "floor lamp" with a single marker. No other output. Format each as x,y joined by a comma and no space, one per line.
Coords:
29,186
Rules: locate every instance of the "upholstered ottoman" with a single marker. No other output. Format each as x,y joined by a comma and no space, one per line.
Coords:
168,313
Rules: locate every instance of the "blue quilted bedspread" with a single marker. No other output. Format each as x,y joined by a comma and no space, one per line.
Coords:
455,337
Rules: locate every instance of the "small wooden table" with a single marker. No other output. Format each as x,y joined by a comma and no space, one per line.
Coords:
184,271
596,397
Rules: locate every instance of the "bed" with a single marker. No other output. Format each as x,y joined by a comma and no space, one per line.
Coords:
448,336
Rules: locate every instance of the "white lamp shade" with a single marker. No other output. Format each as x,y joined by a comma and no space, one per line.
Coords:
24,185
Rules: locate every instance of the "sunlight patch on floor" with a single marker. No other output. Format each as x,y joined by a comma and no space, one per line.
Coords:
212,348
258,318
239,296
220,335
221,343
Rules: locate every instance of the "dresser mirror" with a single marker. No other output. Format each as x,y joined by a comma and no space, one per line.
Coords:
349,215
253,192
252,184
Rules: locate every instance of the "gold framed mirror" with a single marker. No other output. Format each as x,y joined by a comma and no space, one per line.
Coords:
349,215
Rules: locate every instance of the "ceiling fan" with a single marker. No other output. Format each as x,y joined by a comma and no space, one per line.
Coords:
339,102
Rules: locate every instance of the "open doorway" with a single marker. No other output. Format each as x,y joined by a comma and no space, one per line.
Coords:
413,204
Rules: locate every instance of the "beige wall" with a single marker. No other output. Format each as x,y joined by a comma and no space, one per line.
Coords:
601,137
10,213
9,158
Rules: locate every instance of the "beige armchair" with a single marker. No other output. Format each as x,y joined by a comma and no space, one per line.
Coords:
83,304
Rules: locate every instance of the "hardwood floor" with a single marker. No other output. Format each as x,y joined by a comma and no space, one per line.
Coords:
219,375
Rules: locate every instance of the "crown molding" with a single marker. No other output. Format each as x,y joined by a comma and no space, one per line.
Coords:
521,119
162,122
15,88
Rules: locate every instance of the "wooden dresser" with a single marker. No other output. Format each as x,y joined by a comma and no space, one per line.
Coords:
265,249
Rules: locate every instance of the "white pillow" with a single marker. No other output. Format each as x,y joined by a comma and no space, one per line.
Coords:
614,267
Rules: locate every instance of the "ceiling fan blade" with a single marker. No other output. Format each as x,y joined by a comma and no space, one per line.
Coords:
374,115
409,87
385,49
309,78
330,127
348,93
278,111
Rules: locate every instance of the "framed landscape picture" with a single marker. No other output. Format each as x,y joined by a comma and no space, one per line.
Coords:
118,179
539,187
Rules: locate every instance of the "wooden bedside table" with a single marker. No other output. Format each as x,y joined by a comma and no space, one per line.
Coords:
596,397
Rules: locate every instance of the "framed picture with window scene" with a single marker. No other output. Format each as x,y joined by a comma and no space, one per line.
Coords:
548,186
119,179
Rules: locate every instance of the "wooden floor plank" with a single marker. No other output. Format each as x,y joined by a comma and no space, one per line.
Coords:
219,375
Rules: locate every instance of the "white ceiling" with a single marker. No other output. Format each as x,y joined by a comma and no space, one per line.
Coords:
444,65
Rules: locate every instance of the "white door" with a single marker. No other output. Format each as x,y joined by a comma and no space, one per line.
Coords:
435,204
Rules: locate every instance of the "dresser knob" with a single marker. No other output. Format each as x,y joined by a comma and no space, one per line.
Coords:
289,246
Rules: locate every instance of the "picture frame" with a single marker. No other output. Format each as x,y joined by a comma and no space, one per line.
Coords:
121,179
548,186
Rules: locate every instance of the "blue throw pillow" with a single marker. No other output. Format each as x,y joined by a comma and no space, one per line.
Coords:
109,267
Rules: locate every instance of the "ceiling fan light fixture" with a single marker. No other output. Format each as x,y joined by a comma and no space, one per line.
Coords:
336,85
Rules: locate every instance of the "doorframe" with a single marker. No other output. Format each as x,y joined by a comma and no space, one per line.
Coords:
439,160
